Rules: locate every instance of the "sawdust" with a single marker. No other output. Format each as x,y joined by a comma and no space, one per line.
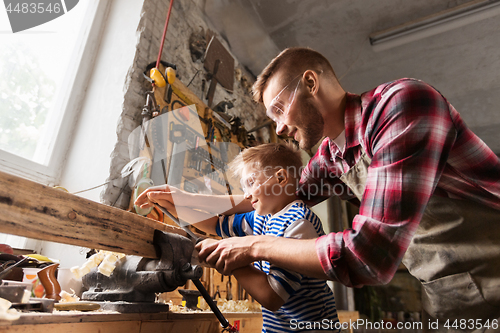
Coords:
223,305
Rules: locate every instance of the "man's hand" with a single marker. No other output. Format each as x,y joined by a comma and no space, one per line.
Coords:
298,255
228,254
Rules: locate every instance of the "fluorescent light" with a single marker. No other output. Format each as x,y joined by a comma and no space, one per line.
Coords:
446,20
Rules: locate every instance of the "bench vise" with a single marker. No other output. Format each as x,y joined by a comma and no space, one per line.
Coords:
135,281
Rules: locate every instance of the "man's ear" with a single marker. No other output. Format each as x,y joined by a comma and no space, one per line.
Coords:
282,176
311,80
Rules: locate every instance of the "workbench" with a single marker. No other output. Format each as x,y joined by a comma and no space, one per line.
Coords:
113,322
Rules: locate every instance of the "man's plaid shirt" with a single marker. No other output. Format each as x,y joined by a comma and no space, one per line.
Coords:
419,146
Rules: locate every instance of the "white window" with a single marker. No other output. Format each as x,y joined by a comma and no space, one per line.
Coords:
43,73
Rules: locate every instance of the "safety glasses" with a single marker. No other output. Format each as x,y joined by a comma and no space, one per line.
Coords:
248,183
277,107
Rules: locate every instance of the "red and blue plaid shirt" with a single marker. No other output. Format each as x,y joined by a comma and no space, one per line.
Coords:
419,146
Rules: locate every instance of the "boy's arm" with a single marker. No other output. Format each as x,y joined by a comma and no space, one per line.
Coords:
201,220
208,225
256,283
169,196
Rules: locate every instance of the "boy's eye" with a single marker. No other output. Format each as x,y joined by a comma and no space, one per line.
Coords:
249,182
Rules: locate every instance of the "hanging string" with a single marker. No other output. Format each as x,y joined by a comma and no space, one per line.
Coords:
164,34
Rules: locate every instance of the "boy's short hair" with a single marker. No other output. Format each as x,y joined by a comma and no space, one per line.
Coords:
269,157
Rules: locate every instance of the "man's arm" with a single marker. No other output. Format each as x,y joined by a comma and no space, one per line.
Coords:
227,255
408,134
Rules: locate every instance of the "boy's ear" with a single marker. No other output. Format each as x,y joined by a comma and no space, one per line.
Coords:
282,176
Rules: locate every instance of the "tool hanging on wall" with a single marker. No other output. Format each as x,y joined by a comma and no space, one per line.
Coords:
158,79
220,66
155,73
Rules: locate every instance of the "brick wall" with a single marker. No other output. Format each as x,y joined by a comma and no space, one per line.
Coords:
186,17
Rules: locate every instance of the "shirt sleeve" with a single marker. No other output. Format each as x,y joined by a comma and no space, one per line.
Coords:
301,228
318,181
409,134
285,283
236,225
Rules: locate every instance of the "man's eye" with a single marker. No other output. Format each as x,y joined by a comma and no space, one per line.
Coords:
278,109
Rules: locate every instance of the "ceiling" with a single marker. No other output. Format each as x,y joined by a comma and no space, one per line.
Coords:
464,63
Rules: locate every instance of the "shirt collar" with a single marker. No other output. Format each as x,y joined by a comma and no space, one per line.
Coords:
340,141
284,209
349,138
352,120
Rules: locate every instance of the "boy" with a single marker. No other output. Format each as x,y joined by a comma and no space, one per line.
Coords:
269,177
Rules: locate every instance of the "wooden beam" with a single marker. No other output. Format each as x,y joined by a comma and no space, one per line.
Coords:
36,211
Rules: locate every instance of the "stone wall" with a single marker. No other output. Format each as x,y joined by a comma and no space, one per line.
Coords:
187,17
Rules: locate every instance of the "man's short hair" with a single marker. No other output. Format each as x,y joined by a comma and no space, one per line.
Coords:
290,63
269,157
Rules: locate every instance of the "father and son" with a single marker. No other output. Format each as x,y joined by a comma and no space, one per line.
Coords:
428,191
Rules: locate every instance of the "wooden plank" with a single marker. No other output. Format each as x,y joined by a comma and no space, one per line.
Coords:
59,317
108,327
217,51
36,211
129,322
346,316
33,318
201,326
186,95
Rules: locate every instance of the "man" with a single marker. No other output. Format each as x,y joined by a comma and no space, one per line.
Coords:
428,189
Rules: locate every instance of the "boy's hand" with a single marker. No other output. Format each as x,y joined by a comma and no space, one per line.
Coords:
164,196
227,254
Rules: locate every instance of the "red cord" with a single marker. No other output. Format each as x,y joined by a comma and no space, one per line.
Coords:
164,33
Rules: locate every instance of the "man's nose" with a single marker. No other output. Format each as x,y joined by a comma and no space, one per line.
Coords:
281,128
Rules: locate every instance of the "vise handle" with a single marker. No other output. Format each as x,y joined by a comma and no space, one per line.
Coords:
223,321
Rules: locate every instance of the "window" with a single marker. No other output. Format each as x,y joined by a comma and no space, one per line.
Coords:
42,76
43,72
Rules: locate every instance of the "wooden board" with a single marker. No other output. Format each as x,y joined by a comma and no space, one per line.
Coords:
108,327
217,51
36,211
104,322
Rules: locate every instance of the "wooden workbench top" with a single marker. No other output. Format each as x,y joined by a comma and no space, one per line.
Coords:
114,322
32,318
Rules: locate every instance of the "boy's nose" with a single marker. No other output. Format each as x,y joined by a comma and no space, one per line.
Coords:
248,196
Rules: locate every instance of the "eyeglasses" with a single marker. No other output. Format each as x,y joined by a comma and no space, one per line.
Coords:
276,109
248,182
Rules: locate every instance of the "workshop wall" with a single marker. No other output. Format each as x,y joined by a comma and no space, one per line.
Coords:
186,31
113,100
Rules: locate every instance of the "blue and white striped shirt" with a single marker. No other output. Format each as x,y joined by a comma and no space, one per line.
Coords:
308,301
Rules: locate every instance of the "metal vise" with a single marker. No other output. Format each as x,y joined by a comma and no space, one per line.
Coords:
135,280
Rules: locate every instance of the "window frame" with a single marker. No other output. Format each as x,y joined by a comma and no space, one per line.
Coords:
70,101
